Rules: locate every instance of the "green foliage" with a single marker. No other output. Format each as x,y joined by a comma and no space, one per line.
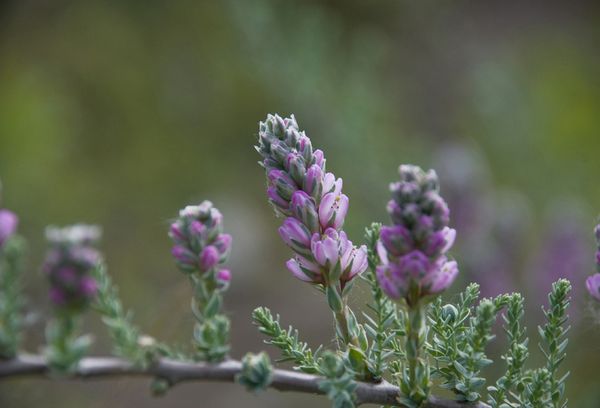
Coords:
554,339
257,372
11,300
450,338
128,340
338,382
515,356
537,384
125,335
287,342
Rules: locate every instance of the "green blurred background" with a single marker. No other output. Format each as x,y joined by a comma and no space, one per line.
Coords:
121,112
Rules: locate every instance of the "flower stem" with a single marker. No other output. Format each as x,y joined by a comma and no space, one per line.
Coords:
211,331
415,382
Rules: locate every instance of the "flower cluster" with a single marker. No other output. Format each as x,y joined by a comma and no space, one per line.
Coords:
593,282
200,244
311,199
412,251
69,263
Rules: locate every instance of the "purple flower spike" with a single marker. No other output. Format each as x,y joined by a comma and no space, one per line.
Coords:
312,202
8,225
412,251
69,263
200,244
333,210
209,257
396,239
593,285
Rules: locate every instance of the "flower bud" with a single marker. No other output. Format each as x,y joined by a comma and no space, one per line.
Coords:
449,313
223,244
224,275
283,183
277,201
313,182
294,164
279,151
295,235
184,257
303,208
175,232
396,239
209,257
319,159
304,147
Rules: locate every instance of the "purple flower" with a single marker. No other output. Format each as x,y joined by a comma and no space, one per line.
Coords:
8,225
334,247
209,257
593,285
326,249
305,270
441,279
332,210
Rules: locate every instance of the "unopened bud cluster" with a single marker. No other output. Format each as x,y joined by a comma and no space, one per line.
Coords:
412,250
311,199
200,244
69,263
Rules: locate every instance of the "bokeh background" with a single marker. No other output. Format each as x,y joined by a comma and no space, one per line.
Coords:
121,112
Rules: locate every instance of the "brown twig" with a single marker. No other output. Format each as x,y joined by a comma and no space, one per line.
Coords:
175,372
